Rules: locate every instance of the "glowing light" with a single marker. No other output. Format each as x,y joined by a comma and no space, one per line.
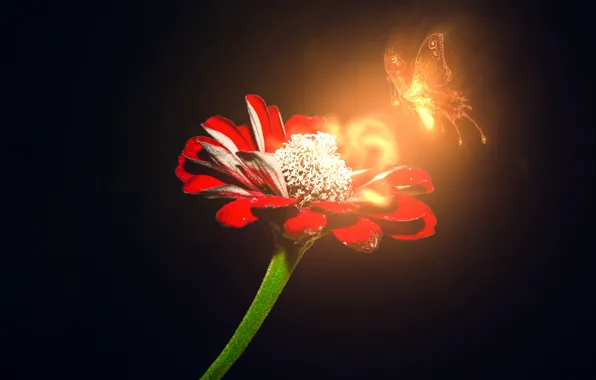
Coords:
425,91
365,142
375,197
427,118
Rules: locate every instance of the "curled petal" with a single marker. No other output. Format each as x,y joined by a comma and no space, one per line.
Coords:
259,119
181,173
227,133
201,182
272,202
363,236
264,170
236,214
425,227
300,124
334,207
193,147
408,208
307,224
411,181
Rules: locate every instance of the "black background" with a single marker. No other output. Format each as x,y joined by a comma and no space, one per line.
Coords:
120,275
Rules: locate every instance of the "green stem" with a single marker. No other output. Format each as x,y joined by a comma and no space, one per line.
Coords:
284,260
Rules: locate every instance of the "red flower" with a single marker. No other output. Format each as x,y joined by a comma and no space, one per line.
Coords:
294,168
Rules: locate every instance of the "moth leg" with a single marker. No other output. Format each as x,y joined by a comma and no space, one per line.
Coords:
442,125
482,137
460,141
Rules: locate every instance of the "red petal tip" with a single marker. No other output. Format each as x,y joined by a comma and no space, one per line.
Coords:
306,224
428,229
236,214
364,236
408,209
201,182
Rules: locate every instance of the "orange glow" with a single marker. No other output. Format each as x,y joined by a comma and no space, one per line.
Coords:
419,100
423,89
427,118
366,142
375,197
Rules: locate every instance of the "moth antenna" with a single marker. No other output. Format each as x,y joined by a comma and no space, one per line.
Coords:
460,142
482,136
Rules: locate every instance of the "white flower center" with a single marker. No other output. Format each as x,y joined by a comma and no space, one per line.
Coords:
313,170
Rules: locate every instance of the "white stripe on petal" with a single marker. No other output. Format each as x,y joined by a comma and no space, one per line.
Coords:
382,175
225,191
256,127
267,171
358,172
222,139
281,122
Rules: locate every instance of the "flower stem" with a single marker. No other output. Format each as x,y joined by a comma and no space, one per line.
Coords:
282,264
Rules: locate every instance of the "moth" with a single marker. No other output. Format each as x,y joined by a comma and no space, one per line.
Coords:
424,88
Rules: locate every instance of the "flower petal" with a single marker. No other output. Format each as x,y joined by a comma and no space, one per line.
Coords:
277,136
424,229
307,224
377,177
378,198
246,132
300,124
334,207
222,139
408,208
259,119
201,182
211,187
193,147
228,191
228,163
364,236
272,202
236,214
360,177
217,126
264,171
410,181
181,173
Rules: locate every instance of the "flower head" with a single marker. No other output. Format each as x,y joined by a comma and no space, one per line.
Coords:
296,168
312,169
